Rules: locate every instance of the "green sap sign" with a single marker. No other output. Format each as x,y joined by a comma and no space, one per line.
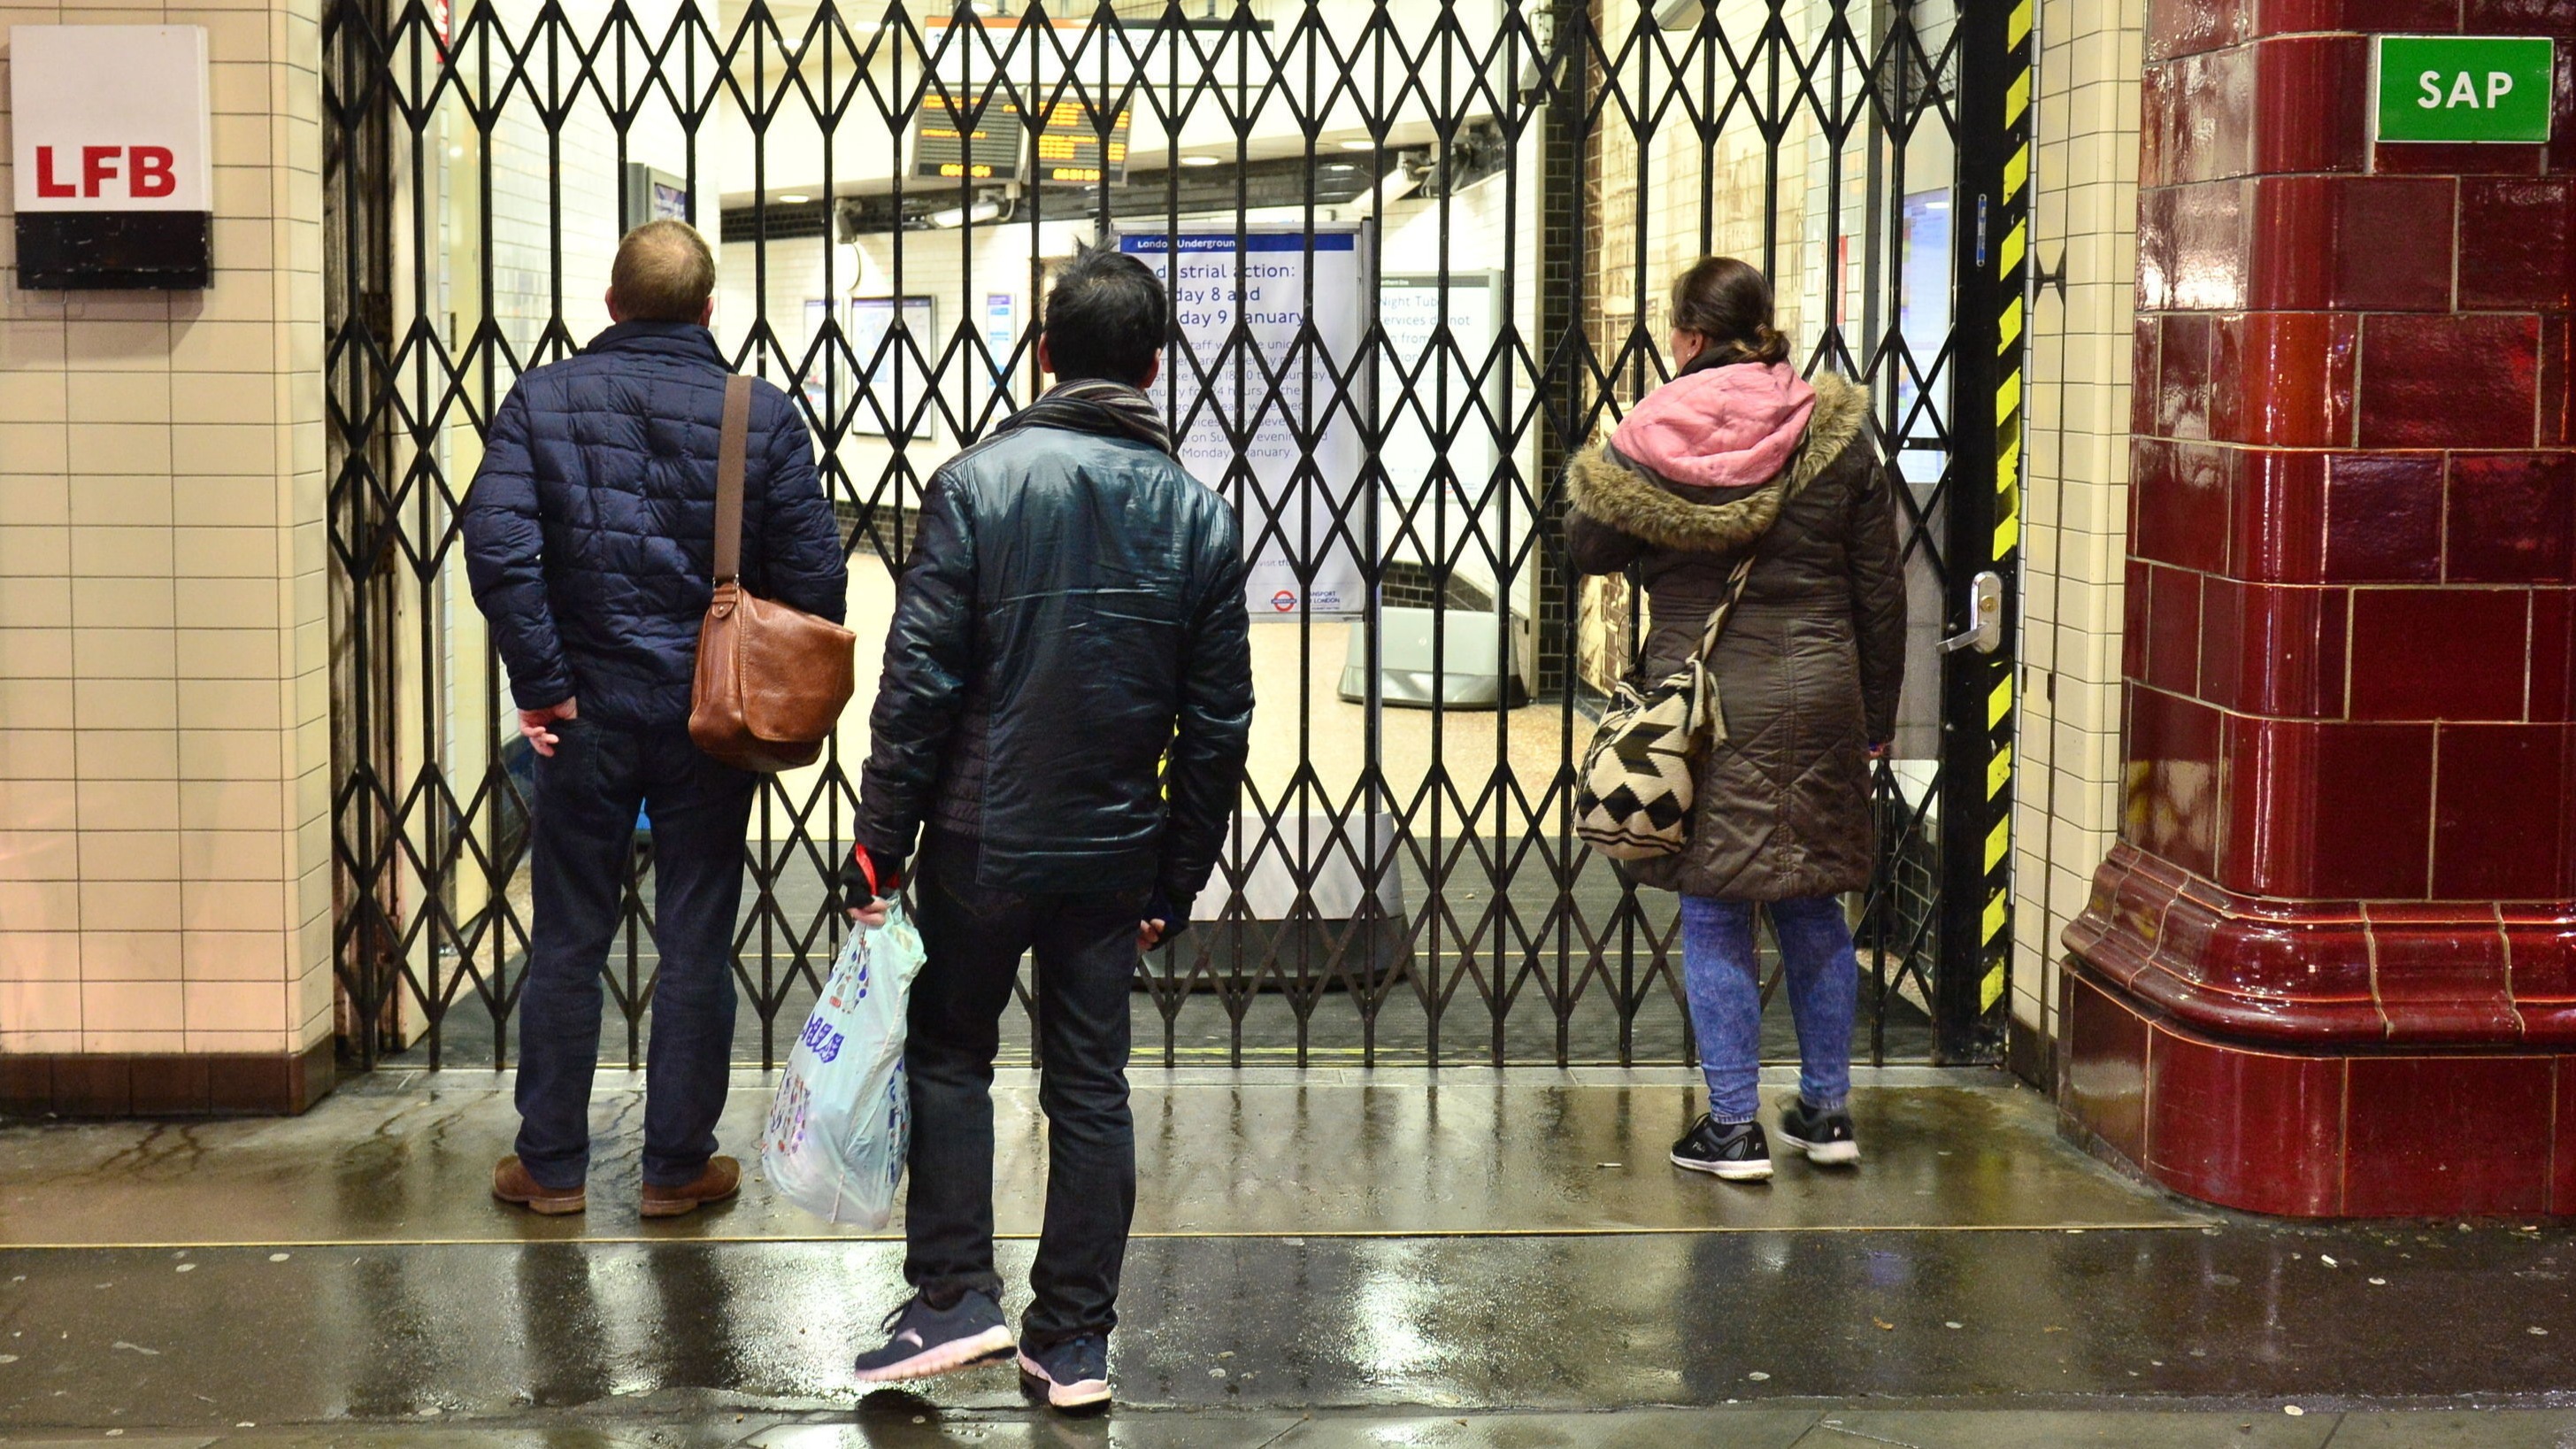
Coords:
2462,88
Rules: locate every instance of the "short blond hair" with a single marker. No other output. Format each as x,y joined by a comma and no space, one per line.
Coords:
664,273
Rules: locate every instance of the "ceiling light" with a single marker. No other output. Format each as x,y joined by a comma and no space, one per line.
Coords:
794,198
1202,161
966,215
1359,145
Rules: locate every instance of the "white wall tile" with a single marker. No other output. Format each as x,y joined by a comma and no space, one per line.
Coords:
2077,502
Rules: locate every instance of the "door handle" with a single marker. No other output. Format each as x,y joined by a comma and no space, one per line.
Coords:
1985,631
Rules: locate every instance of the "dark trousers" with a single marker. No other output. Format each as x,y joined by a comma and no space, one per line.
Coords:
580,841
1086,965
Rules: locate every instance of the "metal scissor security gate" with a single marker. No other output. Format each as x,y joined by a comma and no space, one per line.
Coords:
1417,251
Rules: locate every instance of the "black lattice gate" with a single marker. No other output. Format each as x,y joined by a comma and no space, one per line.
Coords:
1473,210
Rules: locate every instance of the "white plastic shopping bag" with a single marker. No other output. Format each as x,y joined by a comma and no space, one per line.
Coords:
842,1120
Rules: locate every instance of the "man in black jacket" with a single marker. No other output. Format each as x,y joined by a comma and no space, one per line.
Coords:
1064,715
590,541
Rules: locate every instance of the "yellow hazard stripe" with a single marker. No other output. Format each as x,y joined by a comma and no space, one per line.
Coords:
2011,325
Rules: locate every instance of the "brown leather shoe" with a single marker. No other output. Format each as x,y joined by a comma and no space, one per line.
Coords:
721,1180
511,1183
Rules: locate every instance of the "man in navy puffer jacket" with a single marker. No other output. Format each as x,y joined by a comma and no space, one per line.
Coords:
590,541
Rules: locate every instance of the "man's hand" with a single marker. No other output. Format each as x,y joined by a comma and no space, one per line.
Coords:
1149,934
862,876
533,722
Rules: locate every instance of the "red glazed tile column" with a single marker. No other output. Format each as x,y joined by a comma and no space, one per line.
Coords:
2330,968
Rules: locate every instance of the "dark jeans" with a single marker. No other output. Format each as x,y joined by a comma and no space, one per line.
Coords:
580,841
1086,965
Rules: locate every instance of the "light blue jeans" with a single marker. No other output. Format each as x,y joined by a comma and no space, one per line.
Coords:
1721,973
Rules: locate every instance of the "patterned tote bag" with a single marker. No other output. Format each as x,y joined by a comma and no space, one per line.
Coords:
1632,800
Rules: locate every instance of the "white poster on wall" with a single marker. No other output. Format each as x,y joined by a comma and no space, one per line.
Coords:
893,376
1297,467
1423,396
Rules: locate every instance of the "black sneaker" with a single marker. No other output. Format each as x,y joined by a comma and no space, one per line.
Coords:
923,1341
1826,1137
1073,1374
1737,1153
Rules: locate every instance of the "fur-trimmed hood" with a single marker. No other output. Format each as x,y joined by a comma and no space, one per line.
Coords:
1624,494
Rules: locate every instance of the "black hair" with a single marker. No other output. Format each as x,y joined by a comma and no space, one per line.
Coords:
1106,317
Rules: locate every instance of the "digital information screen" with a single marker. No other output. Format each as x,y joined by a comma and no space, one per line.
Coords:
1069,149
946,148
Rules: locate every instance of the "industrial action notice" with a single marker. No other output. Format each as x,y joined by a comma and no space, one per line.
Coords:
1296,469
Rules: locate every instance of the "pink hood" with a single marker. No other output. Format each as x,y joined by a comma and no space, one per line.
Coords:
1726,427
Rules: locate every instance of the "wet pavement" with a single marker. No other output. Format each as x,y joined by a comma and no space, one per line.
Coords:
1342,1259
899,1427
1326,1151
895,1425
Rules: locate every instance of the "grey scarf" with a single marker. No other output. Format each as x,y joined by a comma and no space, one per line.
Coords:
1096,405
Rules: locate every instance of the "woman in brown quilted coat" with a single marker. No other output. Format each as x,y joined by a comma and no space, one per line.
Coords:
1737,453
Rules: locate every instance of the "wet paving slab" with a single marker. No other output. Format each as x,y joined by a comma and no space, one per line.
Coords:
2239,1315
901,1427
1406,1151
1341,1258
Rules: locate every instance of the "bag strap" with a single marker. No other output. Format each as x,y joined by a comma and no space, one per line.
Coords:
730,447
1718,616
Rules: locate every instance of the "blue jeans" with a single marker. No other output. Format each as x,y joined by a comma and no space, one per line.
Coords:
579,843
1722,975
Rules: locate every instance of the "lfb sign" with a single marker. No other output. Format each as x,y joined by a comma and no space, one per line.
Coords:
109,174
113,167
2463,88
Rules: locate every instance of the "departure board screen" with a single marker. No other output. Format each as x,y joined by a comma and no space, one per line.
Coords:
946,146
951,141
1069,148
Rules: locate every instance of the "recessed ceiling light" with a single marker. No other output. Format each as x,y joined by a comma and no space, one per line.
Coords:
794,198
1202,161
1359,145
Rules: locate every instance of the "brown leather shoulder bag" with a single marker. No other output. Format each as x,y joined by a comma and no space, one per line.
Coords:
771,680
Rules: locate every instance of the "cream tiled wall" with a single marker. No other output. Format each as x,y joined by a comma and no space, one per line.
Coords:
2076,507
164,706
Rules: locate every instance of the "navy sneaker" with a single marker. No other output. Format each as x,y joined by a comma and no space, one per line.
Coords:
1734,1151
1826,1137
923,1341
1073,1374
